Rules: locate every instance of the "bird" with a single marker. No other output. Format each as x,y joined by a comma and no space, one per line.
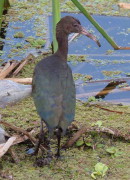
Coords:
53,87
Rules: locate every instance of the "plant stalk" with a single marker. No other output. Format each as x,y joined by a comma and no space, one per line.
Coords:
97,26
56,18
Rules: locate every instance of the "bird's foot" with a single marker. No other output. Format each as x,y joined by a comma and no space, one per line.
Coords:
42,161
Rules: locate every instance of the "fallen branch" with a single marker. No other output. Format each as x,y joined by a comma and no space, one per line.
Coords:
18,139
22,64
17,129
7,65
8,70
78,134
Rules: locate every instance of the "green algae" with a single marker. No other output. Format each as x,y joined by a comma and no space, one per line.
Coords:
111,73
19,34
77,162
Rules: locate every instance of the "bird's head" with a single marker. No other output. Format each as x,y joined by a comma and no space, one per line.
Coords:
69,25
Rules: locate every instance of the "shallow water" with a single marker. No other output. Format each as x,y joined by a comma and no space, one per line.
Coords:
97,60
102,59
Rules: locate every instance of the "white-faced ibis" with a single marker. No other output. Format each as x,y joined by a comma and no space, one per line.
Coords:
53,85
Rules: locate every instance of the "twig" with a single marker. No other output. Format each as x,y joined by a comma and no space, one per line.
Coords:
78,134
106,109
14,155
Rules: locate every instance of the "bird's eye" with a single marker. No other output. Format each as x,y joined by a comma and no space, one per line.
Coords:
75,25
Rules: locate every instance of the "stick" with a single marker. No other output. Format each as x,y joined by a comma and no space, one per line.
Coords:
8,70
118,112
33,140
78,134
21,80
7,65
14,155
25,61
7,145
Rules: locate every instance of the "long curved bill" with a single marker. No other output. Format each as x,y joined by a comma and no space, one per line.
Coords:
91,36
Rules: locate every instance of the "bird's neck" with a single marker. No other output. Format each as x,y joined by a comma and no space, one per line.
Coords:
62,39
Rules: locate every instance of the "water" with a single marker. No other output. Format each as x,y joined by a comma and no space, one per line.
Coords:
103,58
98,59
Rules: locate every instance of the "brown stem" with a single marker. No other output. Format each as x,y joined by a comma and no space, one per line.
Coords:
78,134
33,140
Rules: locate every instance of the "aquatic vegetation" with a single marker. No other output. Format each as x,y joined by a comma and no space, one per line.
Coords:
111,73
19,34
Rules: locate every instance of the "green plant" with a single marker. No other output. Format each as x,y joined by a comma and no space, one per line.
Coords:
100,170
92,98
114,152
98,123
37,43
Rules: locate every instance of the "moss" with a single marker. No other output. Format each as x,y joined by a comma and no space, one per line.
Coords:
77,163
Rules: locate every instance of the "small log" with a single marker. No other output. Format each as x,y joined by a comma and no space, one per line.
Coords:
8,70
21,80
124,5
7,145
22,64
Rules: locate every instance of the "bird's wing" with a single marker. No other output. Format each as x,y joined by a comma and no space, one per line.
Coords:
48,97
69,101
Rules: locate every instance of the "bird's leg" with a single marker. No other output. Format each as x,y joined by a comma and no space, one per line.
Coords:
41,135
58,134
